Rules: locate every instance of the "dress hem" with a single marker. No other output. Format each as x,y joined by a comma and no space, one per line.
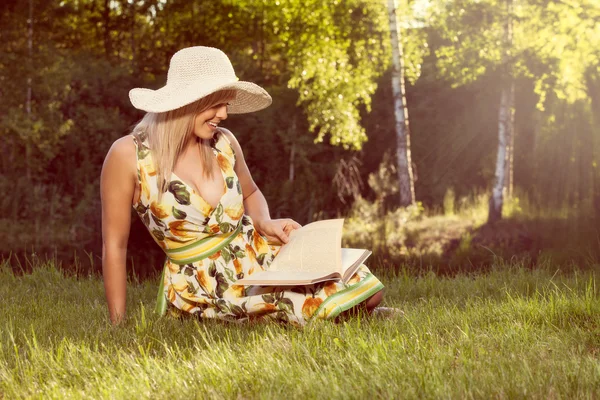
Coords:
344,300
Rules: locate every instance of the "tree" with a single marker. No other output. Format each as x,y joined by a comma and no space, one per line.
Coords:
511,42
503,174
403,155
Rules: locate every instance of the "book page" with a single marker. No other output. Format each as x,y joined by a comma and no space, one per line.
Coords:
352,259
285,278
313,248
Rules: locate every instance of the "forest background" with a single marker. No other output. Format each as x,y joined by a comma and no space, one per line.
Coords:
326,146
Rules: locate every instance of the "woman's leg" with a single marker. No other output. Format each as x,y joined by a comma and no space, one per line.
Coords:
373,301
368,305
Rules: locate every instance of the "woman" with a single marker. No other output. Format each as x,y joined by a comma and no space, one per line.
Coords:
186,177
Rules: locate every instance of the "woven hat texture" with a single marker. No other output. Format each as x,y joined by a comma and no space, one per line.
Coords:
195,72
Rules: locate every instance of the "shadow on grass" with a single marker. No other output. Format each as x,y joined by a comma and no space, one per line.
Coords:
449,246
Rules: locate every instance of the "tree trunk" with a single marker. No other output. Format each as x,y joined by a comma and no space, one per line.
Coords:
593,87
292,150
132,36
29,85
30,54
405,173
510,148
498,192
505,125
106,33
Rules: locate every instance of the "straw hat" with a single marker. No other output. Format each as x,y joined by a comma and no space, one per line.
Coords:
195,72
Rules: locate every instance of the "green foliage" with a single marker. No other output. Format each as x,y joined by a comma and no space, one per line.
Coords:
331,55
86,57
552,43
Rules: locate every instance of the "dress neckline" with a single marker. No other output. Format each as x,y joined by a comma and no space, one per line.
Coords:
213,146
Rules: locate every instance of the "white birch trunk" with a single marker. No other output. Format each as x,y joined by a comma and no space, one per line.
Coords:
505,122
510,145
406,186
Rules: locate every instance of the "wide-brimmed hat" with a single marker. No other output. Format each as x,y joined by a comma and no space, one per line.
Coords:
195,72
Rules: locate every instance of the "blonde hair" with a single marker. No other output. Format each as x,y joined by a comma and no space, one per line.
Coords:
169,131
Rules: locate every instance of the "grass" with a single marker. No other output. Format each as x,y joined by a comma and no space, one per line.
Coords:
512,332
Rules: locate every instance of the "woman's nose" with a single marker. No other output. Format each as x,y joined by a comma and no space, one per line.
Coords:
222,112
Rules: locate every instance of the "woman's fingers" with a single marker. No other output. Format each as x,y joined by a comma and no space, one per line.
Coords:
279,230
295,225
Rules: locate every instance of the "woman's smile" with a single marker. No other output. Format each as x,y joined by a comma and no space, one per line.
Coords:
208,121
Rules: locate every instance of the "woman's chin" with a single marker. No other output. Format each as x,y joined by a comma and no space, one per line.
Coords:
206,135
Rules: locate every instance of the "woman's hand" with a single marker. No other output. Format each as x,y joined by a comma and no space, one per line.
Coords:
277,230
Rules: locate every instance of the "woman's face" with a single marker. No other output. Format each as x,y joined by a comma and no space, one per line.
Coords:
206,123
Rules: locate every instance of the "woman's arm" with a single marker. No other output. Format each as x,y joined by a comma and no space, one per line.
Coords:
255,204
117,188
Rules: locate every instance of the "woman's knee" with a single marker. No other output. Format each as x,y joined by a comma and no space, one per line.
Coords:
374,300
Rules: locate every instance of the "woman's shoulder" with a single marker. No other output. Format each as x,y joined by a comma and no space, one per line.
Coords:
122,153
231,139
226,133
124,147
120,162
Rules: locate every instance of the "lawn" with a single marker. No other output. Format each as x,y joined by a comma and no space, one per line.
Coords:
511,332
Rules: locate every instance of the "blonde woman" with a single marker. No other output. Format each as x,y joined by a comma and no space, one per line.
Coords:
186,177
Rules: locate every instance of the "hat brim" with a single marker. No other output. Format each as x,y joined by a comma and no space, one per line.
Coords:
249,97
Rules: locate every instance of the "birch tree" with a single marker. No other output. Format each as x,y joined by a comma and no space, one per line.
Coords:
511,39
503,174
403,156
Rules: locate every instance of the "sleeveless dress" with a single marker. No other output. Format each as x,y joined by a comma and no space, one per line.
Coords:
208,249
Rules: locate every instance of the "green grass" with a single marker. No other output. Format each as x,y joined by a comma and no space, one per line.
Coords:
509,333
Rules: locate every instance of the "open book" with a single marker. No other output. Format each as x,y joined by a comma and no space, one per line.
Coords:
313,254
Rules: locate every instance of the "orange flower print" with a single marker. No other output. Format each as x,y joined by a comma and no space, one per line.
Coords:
330,288
182,229
215,256
236,291
251,254
235,211
174,268
150,170
200,204
171,294
189,296
227,149
214,228
238,266
354,279
173,243
179,283
260,244
266,307
224,164
144,183
310,306
204,281
159,210
187,307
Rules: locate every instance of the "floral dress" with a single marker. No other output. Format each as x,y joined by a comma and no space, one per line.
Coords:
209,248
